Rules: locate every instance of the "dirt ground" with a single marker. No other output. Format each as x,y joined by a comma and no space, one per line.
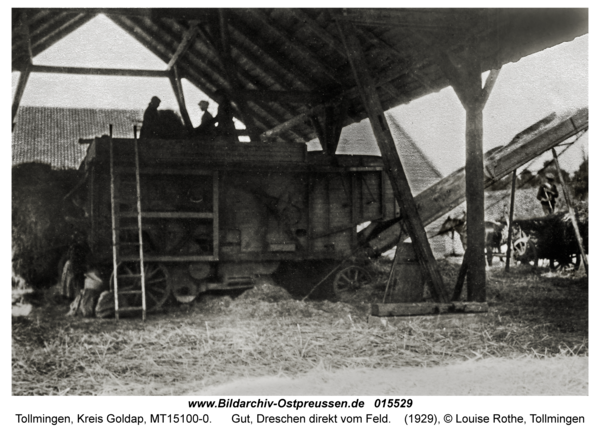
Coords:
558,376
533,341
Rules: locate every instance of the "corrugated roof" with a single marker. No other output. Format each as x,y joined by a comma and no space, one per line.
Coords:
51,135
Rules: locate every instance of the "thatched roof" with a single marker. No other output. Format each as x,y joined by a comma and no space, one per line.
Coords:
289,60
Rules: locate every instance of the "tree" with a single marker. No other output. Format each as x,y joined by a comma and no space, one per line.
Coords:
580,182
527,179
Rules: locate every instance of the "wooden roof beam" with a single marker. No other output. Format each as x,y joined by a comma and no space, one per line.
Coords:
383,79
186,41
423,19
194,72
230,72
25,24
178,91
23,77
68,26
301,49
412,72
99,71
251,94
265,49
279,75
283,96
320,32
188,14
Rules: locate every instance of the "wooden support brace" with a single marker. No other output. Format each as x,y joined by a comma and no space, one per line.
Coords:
23,77
230,71
187,40
25,24
178,90
316,124
393,166
571,211
413,309
510,220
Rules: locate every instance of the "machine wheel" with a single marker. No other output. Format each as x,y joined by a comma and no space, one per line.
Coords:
571,264
350,279
525,252
158,287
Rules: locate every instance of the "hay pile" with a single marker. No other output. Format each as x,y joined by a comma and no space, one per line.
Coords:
169,126
40,234
267,301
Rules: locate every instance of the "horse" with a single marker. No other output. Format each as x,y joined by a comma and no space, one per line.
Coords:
495,234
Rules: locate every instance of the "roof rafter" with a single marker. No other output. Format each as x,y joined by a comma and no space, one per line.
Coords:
257,108
299,48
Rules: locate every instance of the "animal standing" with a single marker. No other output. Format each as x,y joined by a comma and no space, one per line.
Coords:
495,234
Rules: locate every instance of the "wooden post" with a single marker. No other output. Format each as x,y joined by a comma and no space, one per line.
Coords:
510,221
23,77
391,160
571,211
178,91
475,198
231,74
465,77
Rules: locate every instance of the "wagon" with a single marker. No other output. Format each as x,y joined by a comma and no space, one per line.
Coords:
550,237
215,215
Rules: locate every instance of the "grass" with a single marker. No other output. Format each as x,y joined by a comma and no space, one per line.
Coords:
266,332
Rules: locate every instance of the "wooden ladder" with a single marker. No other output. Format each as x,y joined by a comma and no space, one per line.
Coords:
135,275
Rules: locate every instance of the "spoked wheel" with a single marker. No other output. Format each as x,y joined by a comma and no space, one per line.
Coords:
570,264
525,252
350,279
156,278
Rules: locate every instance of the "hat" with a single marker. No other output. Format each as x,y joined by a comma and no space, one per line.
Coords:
550,175
155,98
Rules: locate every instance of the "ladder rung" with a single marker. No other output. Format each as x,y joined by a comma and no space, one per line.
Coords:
129,292
129,309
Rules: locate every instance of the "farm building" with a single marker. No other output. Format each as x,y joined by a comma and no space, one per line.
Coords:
50,135
294,75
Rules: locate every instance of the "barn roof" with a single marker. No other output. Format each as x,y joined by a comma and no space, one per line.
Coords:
358,139
287,61
51,135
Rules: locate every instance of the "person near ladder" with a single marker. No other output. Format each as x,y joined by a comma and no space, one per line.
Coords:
547,194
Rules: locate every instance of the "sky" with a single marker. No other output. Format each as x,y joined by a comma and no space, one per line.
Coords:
525,92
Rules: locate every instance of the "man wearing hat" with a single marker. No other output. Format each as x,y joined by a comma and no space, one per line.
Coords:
547,194
149,127
206,123
206,116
